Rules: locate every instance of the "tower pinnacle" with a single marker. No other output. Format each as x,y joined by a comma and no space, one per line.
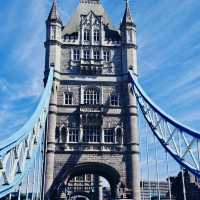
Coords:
54,15
127,18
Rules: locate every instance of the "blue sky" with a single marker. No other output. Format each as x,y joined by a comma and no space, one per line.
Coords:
168,55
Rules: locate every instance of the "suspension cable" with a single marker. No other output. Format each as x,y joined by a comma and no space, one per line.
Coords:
34,175
39,176
157,170
27,187
198,152
19,192
159,121
182,175
168,178
141,171
148,167
183,181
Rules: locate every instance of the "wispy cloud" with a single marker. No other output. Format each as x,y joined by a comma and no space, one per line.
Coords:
169,55
28,56
167,41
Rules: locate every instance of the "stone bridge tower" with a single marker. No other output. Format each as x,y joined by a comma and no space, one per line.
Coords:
92,125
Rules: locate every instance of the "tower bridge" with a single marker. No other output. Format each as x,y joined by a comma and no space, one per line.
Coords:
83,140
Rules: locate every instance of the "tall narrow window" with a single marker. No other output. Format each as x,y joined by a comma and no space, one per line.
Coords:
53,37
91,134
64,135
119,135
86,54
73,135
86,35
129,36
96,35
57,136
106,56
109,135
96,55
68,98
91,96
76,54
114,100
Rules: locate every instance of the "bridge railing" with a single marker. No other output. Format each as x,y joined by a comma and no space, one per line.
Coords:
21,155
180,141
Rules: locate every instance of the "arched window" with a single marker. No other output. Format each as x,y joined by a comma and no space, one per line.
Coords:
109,136
68,97
57,135
96,55
91,134
96,35
114,100
129,36
106,56
86,35
118,132
73,135
86,54
53,34
63,135
91,96
76,54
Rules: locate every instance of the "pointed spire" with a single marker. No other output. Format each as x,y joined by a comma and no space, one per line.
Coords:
54,15
127,18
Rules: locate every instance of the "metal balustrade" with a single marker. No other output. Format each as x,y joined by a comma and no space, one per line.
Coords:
22,154
181,142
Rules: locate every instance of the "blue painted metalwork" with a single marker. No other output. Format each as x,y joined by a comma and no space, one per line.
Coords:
22,154
23,151
181,142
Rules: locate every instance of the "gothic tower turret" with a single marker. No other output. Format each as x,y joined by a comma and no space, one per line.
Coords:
53,39
128,33
129,62
52,59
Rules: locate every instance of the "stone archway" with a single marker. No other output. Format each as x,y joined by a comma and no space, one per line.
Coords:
100,169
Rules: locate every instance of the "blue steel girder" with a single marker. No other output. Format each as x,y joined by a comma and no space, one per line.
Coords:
180,141
19,152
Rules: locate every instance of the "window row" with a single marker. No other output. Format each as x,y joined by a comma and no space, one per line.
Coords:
91,134
85,177
87,55
72,133
88,35
92,97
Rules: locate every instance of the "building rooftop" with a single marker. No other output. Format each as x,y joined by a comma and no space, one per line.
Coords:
85,7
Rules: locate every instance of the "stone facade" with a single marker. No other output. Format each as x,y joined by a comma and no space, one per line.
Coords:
93,115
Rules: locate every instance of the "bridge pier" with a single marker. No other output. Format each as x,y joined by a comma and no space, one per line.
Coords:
50,147
92,105
133,162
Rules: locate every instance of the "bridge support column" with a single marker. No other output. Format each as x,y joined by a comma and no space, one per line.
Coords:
50,154
50,149
133,157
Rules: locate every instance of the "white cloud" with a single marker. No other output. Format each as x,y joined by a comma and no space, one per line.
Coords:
28,53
